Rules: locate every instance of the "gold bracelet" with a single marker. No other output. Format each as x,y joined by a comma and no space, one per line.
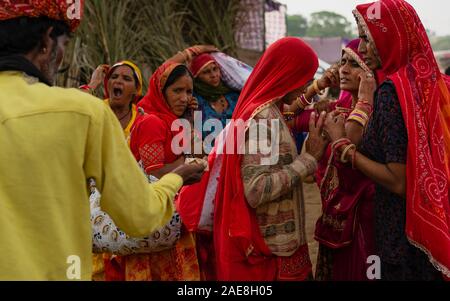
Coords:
316,87
358,120
361,113
346,150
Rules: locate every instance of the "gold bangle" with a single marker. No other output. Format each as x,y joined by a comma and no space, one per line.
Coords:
316,87
362,113
358,120
346,150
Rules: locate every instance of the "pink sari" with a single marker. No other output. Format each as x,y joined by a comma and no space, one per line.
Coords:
345,230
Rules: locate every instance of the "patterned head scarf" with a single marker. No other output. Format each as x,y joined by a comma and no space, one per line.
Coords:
69,11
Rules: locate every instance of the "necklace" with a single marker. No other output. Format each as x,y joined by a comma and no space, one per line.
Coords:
121,118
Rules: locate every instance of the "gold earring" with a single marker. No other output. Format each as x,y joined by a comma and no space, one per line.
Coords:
44,50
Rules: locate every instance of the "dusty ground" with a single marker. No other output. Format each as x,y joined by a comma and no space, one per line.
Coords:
313,211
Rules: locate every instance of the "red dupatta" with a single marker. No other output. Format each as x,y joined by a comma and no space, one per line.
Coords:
240,249
342,188
407,59
154,101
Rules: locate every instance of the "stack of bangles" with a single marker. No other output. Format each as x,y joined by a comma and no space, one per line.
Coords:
188,53
348,149
302,102
362,113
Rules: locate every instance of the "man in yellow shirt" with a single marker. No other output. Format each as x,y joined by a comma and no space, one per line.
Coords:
51,141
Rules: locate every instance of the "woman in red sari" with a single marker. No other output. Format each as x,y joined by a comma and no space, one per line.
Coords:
259,231
345,230
168,98
406,144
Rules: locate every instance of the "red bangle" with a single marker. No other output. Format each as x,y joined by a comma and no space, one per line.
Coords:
86,87
340,141
153,167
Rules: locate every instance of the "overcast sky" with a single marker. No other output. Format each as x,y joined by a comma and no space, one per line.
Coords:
435,14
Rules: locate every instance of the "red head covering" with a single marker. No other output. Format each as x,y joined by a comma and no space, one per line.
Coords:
154,101
287,64
53,9
407,59
200,62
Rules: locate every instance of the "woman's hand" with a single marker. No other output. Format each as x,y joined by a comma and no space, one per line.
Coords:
98,76
322,105
367,87
316,142
330,78
191,173
335,126
193,104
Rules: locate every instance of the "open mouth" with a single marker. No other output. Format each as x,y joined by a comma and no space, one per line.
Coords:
117,92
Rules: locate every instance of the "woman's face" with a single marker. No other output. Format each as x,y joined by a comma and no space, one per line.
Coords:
292,96
211,75
179,94
349,72
122,85
367,50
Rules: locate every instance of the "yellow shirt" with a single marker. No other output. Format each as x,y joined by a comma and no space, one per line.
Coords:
53,139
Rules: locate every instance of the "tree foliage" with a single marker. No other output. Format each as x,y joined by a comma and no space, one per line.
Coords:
440,43
297,25
329,24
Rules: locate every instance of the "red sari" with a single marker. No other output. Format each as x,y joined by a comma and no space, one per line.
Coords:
407,59
345,230
151,145
240,249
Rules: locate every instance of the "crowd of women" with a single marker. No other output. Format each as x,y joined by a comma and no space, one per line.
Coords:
379,155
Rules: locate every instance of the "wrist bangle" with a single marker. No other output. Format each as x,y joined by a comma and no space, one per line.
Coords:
302,101
87,88
339,141
316,87
345,151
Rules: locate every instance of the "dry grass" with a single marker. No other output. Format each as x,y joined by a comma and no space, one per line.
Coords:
146,32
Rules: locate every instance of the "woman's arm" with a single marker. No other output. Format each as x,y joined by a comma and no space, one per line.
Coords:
391,176
367,88
188,54
167,168
392,139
